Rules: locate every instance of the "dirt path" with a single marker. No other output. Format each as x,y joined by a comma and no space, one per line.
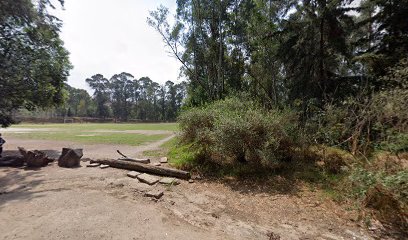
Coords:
91,203
55,203
93,151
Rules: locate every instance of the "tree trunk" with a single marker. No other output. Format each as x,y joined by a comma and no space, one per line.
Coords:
145,168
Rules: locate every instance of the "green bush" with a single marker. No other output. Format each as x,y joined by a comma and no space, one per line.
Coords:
235,131
374,119
363,179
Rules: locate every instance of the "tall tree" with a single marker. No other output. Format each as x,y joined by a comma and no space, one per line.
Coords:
122,92
100,85
386,40
34,63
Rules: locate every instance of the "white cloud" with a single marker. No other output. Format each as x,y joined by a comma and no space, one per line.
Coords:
112,36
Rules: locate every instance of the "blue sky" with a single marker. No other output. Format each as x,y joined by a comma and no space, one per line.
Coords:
112,36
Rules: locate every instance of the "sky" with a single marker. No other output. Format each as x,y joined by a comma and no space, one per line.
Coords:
112,36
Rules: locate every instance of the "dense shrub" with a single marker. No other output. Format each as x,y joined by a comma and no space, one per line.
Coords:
236,130
375,119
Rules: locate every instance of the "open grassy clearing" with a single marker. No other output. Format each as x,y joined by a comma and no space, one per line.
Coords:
94,133
102,126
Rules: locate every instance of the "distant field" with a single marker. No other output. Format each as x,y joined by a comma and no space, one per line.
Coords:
129,134
104,126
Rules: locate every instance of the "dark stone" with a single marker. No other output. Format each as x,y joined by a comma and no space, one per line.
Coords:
70,158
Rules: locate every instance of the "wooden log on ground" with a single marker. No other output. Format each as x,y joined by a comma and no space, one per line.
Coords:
137,160
140,167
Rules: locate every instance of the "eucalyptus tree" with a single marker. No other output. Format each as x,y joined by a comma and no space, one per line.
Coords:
122,93
101,88
197,41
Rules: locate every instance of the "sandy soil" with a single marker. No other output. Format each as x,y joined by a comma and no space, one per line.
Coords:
94,151
93,203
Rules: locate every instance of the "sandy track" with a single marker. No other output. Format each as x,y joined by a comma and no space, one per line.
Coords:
83,203
93,151
91,203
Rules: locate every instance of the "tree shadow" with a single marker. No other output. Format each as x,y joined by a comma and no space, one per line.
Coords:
50,153
271,184
18,183
286,180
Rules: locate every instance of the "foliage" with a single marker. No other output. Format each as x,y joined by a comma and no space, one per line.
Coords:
124,97
368,121
34,63
362,180
234,131
341,65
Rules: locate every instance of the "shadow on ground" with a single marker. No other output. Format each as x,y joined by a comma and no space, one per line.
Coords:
285,181
17,183
50,153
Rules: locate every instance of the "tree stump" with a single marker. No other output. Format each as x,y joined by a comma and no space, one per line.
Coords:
34,159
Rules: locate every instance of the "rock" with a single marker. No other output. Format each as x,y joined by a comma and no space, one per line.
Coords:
133,174
190,181
93,165
156,164
140,187
70,157
168,181
163,160
103,166
146,178
155,194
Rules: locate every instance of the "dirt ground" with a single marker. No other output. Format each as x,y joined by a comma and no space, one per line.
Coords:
94,203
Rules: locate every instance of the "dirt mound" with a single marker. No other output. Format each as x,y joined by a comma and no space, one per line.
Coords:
386,208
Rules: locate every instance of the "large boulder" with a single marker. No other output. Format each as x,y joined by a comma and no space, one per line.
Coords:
70,157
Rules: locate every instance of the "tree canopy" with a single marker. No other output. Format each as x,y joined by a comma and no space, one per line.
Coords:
124,97
34,63
285,52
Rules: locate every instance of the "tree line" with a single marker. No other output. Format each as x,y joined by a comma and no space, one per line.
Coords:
341,65
123,97
288,52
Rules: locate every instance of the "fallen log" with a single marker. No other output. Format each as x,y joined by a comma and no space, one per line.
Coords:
136,160
163,171
123,155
